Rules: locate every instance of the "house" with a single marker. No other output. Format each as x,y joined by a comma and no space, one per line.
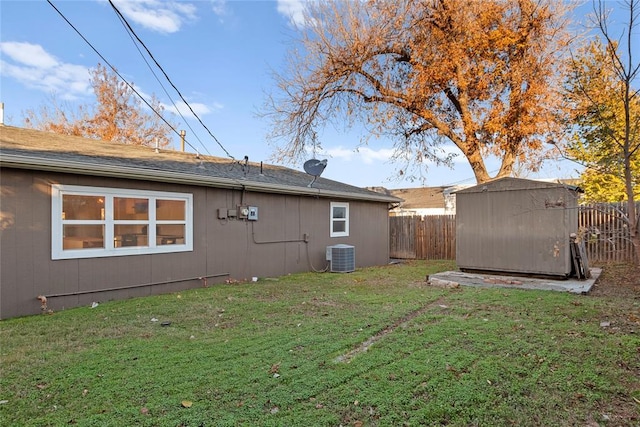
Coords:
423,201
519,226
84,221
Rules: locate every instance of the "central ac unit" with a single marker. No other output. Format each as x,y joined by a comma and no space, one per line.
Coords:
342,258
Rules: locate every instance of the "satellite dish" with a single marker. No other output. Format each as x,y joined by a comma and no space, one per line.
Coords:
315,168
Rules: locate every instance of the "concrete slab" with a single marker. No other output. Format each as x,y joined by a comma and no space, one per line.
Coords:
459,278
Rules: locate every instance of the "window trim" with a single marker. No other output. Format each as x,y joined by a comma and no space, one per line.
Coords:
57,223
344,233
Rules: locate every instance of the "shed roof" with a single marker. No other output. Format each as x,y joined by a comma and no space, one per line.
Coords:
516,184
45,151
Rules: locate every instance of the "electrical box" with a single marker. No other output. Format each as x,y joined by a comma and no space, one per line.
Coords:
243,212
253,213
232,213
222,213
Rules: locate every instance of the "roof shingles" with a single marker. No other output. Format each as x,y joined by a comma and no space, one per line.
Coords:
32,149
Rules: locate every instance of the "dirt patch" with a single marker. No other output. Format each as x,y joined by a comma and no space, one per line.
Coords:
618,280
363,347
619,289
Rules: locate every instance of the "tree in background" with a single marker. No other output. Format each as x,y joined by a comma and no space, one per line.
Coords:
479,74
605,123
606,187
117,115
598,114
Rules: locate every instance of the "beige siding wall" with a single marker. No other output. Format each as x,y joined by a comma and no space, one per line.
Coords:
516,231
223,248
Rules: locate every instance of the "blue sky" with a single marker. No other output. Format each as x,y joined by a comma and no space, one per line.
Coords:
219,54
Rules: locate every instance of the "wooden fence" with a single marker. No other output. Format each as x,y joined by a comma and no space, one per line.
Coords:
605,232
423,237
434,236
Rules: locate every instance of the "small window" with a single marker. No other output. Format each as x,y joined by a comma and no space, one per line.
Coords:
90,222
339,219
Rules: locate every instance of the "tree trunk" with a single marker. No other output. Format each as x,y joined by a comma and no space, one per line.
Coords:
470,149
635,241
479,168
632,214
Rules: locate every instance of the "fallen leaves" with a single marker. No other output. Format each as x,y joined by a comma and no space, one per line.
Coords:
43,304
187,404
275,368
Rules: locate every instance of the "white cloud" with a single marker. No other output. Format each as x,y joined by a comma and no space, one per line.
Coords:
219,7
370,156
157,15
28,54
35,68
338,153
293,10
365,155
199,108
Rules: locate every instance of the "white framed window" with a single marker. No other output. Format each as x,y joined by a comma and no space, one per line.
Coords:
91,222
339,219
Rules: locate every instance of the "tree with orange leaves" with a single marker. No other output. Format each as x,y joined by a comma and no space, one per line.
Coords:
479,74
117,115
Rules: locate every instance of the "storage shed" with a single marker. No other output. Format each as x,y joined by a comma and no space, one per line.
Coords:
515,225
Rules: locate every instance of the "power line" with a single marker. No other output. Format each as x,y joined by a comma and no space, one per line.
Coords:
168,79
113,68
462,181
122,21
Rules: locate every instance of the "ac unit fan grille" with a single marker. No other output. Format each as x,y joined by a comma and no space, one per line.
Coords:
342,258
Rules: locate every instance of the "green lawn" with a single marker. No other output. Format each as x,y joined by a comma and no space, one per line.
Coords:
377,347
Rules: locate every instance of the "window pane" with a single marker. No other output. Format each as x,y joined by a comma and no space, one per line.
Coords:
167,210
170,234
83,236
130,235
339,212
76,207
127,208
339,226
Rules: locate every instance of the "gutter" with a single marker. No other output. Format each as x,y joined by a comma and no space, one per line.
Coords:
128,172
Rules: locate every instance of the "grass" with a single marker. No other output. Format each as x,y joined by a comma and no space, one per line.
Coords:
269,354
